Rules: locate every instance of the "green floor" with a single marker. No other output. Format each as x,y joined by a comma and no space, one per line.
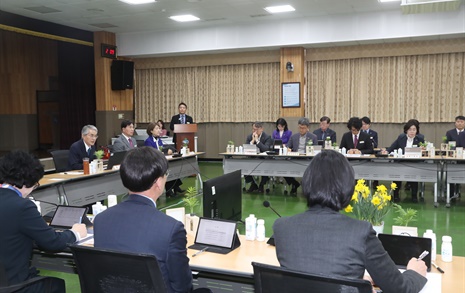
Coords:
443,221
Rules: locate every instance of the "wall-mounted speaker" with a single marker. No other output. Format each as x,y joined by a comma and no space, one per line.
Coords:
122,75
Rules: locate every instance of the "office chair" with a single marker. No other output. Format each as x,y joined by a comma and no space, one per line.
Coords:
272,279
6,288
60,159
109,271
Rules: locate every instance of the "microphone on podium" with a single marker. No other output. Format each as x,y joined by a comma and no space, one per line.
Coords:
267,204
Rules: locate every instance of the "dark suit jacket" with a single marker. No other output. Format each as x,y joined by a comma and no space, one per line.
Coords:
293,143
136,225
122,144
401,142
265,142
323,241
77,152
364,142
176,120
21,226
452,135
373,136
329,132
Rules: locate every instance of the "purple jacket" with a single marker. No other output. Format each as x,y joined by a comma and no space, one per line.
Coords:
285,138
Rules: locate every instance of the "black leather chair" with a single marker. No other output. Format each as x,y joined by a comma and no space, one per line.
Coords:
60,159
109,271
272,279
6,288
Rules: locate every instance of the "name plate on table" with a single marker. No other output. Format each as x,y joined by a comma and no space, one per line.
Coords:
413,152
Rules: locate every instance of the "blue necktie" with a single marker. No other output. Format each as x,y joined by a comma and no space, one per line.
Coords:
88,152
183,119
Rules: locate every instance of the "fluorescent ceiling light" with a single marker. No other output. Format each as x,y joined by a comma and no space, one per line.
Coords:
183,18
135,2
388,1
278,9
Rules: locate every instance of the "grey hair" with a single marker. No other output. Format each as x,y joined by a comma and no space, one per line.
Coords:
85,129
304,121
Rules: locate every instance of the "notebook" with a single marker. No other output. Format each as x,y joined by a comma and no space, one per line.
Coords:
402,248
217,235
115,159
66,216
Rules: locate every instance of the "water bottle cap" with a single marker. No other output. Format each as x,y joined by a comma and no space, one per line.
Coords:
429,231
252,215
261,222
446,239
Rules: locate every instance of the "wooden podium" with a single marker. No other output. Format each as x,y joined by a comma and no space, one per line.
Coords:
183,131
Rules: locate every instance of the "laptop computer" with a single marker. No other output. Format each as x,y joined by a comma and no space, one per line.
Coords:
66,216
115,159
402,248
216,235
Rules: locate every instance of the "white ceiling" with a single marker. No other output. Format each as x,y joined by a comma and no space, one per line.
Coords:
119,17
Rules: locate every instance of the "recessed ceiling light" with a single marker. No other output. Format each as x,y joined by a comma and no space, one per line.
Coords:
135,2
279,9
184,18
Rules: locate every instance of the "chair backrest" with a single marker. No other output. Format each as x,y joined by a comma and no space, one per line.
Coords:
272,279
60,159
109,271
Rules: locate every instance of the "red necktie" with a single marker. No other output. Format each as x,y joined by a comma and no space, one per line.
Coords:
355,141
130,142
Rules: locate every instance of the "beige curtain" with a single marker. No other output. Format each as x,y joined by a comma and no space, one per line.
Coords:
430,88
226,93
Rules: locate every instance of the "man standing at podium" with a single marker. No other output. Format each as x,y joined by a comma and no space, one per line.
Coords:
181,118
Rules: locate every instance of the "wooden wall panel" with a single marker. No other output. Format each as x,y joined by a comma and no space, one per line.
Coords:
106,99
297,57
27,65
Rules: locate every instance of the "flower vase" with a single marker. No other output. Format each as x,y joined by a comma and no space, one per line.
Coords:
192,222
188,150
379,229
309,150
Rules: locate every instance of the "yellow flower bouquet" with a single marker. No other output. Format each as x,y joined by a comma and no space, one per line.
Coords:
370,207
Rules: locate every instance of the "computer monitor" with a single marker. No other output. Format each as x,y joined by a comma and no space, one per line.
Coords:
222,197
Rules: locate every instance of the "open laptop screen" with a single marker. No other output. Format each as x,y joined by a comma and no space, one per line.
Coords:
402,248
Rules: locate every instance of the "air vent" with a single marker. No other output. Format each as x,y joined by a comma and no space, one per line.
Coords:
103,25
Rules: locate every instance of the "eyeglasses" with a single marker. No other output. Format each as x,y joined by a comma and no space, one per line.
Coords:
36,186
92,135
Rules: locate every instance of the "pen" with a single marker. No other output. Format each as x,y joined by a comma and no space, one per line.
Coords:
437,268
199,252
80,220
423,254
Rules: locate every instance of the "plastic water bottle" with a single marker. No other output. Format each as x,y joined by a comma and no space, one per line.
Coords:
344,151
250,227
241,150
446,249
395,154
430,234
260,230
399,152
97,208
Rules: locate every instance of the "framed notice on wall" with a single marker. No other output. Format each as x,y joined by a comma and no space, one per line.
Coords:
290,93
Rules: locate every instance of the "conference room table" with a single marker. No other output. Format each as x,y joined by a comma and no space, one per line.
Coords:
76,189
233,272
369,167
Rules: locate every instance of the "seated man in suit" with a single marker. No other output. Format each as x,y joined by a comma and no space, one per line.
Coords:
324,131
125,141
457,135
136,225
356,141
181,118
83,148
264,142
22,224
366,124
298,143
